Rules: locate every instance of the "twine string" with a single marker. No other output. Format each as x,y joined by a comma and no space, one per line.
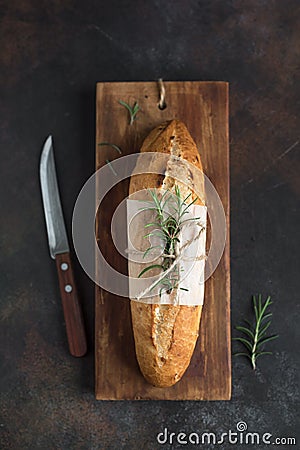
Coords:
162,94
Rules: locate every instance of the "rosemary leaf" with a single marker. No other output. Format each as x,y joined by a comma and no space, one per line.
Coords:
151,224
111,167
111,145
246,331
263,353
149,249
242,354
264,329
154,266
267,316
245,342
270,338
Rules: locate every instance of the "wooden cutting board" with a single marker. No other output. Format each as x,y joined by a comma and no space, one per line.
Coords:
203,107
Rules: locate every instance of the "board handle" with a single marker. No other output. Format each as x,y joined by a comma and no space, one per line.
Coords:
71,306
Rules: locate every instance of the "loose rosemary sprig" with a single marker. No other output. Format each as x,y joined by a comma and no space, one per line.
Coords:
132,110
107,160
111,145
169,222
256,335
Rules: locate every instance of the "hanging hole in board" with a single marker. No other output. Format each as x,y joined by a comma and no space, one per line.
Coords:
162,106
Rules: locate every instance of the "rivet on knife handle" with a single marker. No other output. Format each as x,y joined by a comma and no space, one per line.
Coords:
71,305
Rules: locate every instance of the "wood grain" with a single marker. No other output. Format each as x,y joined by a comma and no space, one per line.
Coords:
203,107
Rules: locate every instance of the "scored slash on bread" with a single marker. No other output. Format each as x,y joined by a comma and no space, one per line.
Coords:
165,335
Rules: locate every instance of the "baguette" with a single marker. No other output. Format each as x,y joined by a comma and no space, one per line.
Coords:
165,335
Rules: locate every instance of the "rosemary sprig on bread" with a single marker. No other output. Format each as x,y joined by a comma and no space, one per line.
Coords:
170,211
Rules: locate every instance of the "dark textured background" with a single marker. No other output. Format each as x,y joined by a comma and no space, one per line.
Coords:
52,54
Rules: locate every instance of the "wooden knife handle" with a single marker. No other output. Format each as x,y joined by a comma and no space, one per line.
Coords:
71,306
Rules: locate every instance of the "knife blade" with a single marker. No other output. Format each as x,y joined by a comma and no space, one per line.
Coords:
60,251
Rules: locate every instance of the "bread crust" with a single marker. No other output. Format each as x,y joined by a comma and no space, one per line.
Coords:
165,335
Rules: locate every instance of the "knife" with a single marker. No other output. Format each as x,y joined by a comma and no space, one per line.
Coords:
60,251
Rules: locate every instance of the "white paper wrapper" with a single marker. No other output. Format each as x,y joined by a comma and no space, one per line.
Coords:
190,262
